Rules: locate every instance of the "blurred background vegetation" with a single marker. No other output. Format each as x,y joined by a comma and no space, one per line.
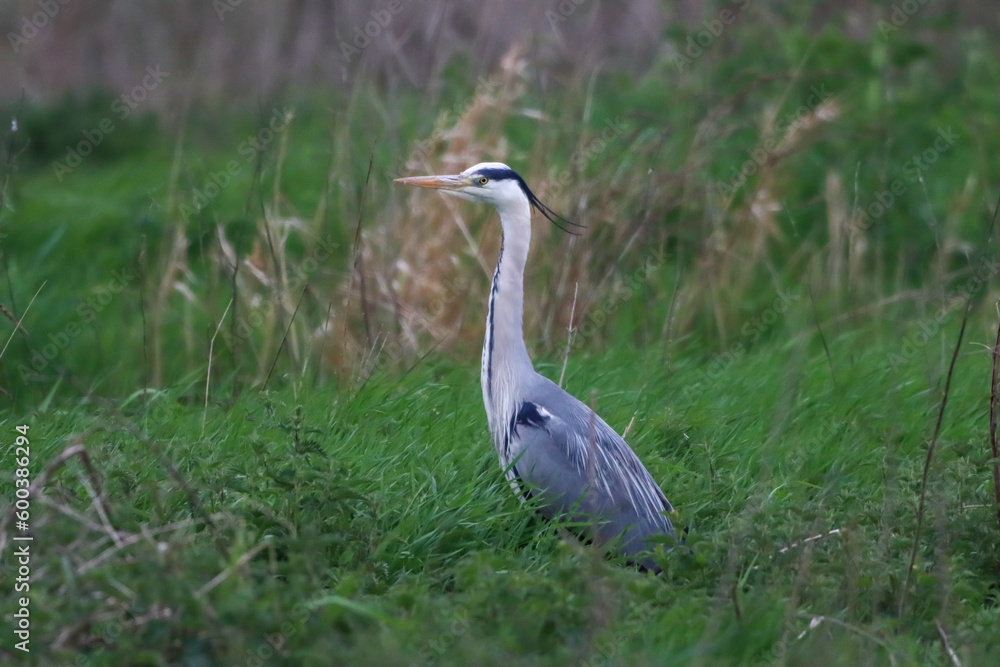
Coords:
754,146
270,349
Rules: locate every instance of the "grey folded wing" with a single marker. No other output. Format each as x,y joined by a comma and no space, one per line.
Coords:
578,467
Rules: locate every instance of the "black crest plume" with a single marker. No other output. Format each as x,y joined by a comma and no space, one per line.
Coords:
554,218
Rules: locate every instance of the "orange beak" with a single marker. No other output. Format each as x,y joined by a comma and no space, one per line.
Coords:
435,182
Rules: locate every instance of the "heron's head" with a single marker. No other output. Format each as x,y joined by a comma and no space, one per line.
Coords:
490,183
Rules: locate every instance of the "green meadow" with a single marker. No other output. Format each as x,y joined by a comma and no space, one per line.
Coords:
249,362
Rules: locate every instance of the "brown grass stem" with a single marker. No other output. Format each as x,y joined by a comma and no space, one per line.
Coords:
569,335
994,398
931,447
208,373
18,324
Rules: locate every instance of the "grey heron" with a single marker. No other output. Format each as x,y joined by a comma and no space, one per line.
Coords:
552,447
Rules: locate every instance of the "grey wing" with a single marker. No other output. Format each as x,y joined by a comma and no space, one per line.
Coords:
579,467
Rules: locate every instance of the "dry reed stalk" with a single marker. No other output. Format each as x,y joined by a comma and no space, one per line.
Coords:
994,399
173,264
208,372
433,248
946,645
857,243
264,288
415,264
76,449
19,323
837,228
931,448
739,245
569,339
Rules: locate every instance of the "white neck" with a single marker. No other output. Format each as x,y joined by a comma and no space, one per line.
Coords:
505,357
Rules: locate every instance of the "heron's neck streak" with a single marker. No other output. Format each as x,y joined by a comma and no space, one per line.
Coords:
505,357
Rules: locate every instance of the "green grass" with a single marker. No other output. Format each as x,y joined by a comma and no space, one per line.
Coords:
780,377
382,531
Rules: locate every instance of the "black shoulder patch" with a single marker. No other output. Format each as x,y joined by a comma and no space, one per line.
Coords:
527,414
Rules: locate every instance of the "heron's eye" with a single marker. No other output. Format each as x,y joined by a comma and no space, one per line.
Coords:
483,180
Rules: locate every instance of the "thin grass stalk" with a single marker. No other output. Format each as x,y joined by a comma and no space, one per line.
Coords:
931,447
994,398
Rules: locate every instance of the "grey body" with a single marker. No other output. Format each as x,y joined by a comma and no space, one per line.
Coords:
580,468
553,448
